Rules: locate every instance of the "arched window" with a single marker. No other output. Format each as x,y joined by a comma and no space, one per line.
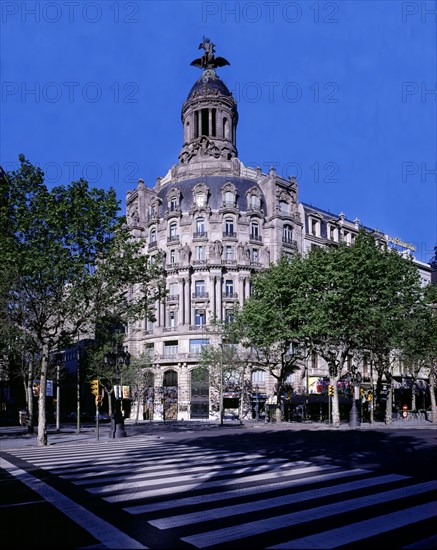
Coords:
229,198
173,204
200,227
287,234
173,231
254,231
254,202
152,236
200,199
229,227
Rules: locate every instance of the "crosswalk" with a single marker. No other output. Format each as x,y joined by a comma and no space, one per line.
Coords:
209,498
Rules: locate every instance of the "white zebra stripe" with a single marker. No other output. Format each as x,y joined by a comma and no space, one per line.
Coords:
221,536
256,506
363,529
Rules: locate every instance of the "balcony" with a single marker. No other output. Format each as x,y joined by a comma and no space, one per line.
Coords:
287,241
173,298
198,328
169,329
255,237
199,262
229,235
173,239
200,236
152,245
230,296
200,295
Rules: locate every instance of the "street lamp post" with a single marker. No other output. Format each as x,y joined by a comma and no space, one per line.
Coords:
58,359
117,358
354,378
257,402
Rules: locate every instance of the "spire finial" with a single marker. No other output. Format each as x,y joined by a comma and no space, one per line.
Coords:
208,59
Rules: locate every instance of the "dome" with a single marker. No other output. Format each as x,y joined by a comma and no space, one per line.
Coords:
209,83
215,185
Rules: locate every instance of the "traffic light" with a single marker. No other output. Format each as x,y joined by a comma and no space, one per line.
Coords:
95,387
330,390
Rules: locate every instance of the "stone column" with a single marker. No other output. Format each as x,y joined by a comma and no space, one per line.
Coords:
218,287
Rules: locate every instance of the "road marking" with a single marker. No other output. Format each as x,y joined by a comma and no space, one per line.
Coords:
363,529
256,506
103,531
244,491
220,536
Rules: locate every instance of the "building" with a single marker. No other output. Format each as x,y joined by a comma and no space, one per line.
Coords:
215,222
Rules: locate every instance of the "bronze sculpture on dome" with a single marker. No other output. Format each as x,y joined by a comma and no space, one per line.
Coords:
208,59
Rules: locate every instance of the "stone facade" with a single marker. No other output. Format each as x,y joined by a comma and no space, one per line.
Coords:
215,223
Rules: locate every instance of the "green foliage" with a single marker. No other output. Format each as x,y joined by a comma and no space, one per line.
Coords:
70,261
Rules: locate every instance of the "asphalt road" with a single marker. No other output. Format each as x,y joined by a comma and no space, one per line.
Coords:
194,485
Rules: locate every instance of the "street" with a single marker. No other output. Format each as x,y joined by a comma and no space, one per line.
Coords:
256,486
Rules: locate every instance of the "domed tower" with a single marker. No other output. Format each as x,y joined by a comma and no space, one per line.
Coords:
209,115
214,222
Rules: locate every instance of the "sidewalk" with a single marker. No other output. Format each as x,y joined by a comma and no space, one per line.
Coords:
13,437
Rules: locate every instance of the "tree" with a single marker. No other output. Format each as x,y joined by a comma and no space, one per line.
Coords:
418,342
72,262
223,364
272,323
357,297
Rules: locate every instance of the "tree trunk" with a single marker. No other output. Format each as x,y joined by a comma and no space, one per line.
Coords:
335,404
433,399
29,398
413,396
109,394
42,424
389,404
140,394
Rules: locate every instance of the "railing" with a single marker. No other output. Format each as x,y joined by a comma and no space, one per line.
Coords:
153,244
173,239
254,237
173,298
198,328
289,242
169,329
229,235
199,295
200,235
230,295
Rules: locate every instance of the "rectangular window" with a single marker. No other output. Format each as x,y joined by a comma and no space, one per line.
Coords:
172,319
229,252
199,317
173,289
196,345
172,256
229,316
258,376
229,287
199,289
200,252
229,226
171,348
255,255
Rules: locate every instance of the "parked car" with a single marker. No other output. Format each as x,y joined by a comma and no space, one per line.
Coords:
103,417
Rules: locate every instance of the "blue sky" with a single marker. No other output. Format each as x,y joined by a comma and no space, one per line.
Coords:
338,93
